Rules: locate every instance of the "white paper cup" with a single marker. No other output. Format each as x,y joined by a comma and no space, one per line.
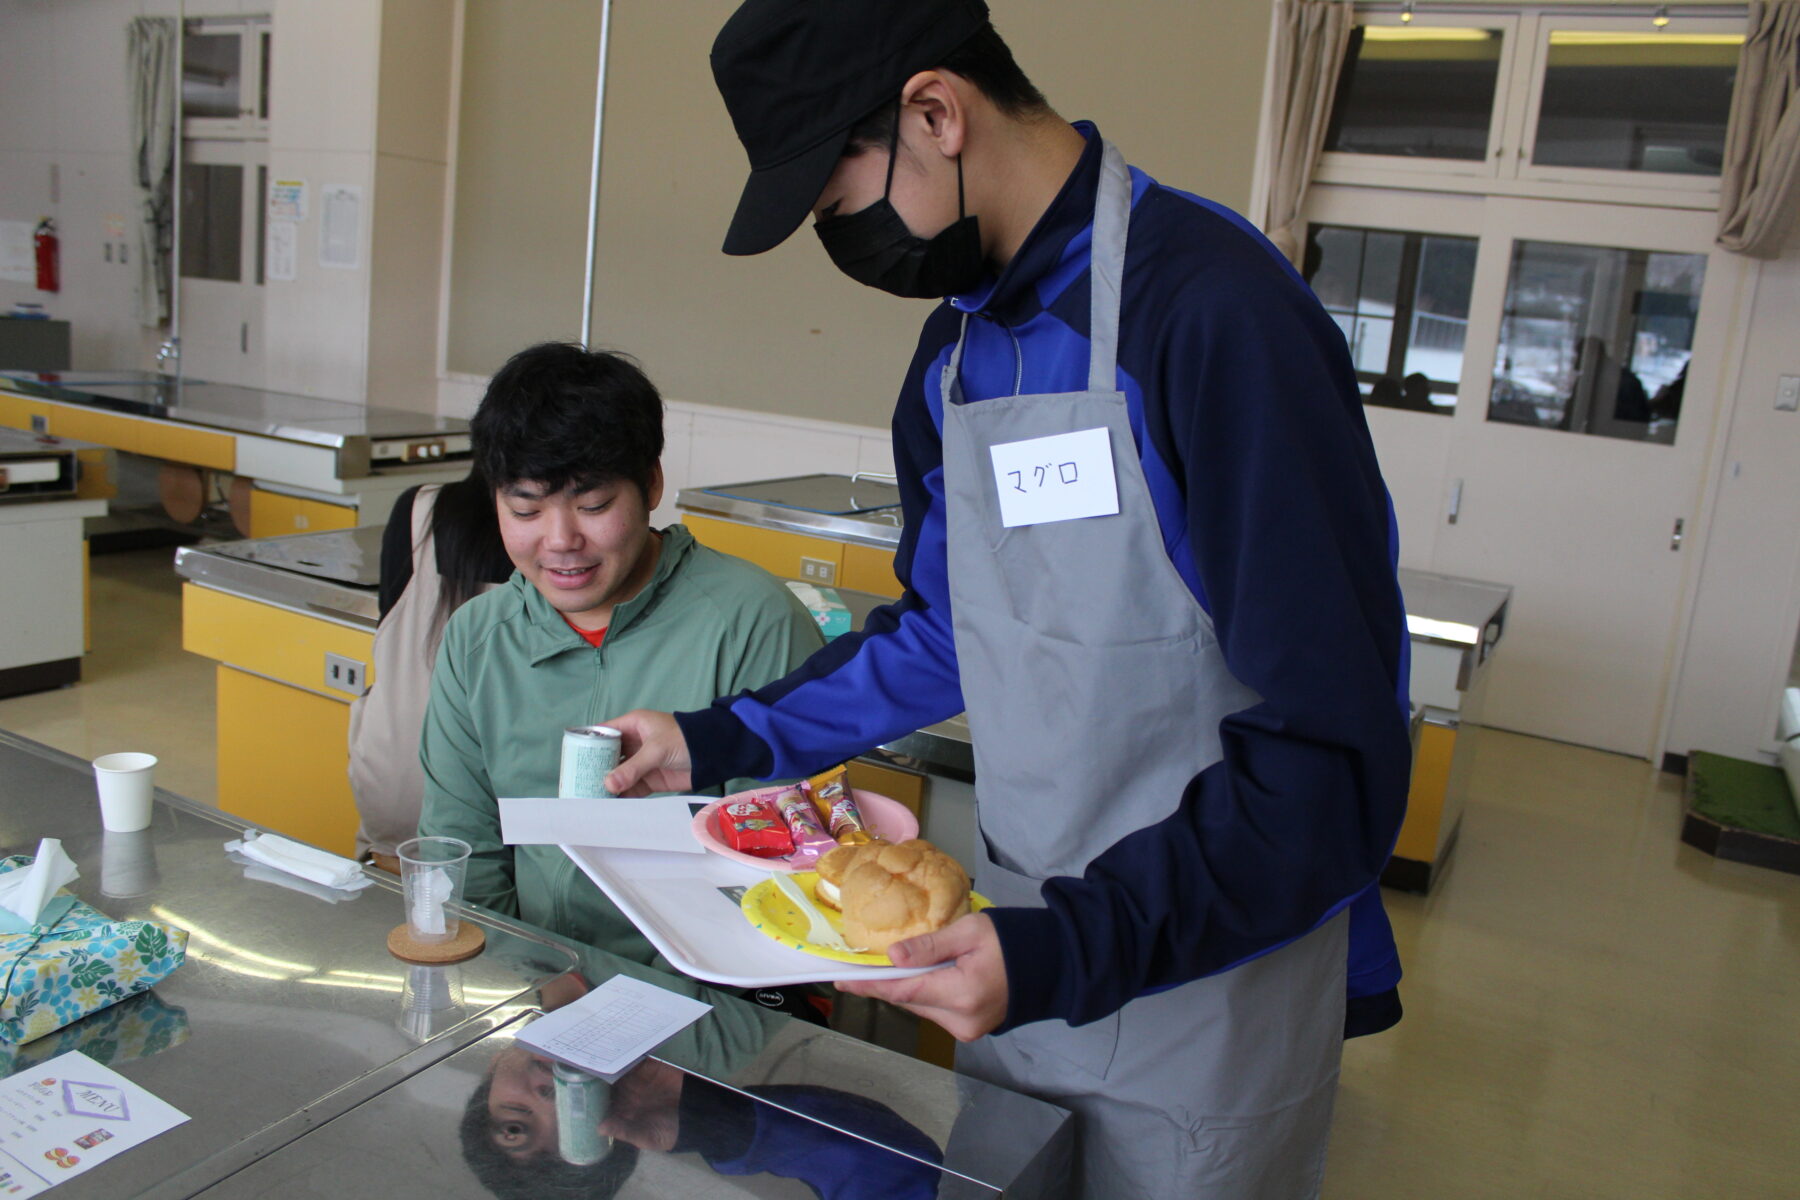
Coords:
127,787
127,864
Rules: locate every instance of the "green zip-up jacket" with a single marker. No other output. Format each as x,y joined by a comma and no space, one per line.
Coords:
511,676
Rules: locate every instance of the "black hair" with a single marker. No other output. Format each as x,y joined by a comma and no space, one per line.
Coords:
986,61
466,534
543,1176
561,416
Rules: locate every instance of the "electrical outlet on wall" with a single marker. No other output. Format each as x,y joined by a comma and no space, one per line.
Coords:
818,570
345,674
1787,393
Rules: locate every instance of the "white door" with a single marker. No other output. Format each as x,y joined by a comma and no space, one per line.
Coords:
224,185
1542,381
1591,380
224,196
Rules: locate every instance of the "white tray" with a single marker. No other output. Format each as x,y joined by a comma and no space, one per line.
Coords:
675,901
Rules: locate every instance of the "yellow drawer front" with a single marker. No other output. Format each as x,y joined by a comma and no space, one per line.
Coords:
1420,833
283,759
868,569
16,411
273,514
96,480
908,787
267,640
193,446
771,549
86,425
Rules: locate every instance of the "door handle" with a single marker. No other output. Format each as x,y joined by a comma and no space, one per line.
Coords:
1675,538
1455,502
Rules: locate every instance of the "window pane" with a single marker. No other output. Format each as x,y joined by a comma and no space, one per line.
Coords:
1416,92
210,75
1402,300
1636,102
262,104
1596,340
212,221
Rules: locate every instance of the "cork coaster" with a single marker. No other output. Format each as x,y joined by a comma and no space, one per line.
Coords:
467,943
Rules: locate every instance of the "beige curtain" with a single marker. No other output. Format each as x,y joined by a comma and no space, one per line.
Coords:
151,90
1761,181
1310,39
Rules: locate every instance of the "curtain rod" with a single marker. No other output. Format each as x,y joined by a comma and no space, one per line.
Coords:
1447,7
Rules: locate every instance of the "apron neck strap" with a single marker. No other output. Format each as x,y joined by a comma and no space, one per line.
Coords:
1106,269
1106,273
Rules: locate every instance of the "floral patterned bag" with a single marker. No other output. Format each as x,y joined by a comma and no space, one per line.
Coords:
58,973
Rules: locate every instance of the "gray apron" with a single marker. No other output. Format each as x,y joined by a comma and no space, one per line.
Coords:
1095,687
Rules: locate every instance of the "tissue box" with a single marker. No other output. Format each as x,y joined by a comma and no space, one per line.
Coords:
826,607
131,1029
84,962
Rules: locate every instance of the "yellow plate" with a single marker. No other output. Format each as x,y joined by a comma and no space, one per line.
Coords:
775,916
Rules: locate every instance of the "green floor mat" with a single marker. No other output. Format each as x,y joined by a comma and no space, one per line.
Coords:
1743,795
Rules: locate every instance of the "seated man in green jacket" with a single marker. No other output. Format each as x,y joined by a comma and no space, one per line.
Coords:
603,614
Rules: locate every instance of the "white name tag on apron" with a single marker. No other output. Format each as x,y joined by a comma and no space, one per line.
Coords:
1059,478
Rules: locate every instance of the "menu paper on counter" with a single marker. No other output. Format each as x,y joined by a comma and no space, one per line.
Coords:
654,823
609,1030
67,1115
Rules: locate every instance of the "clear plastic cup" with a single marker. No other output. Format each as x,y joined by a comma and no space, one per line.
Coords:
431,881
127,791
431,1001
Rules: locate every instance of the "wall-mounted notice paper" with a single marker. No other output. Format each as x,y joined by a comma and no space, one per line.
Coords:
340,230
654,823
287,200
18,252
608,1030
284,251
67,1115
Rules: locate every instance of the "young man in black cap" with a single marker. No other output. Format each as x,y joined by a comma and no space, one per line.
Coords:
1147,549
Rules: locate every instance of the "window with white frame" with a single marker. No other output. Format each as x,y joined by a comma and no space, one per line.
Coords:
1548,101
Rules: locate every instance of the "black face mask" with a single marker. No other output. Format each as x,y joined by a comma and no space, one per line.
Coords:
875,247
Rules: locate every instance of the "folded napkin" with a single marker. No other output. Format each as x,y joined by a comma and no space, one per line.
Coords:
28,895
295,858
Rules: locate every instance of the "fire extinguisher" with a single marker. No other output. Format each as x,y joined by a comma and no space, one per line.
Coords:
45,243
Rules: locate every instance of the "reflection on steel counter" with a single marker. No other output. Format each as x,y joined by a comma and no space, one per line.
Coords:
743,1102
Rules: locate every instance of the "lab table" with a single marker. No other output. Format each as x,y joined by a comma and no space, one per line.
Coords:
310,463
43,594
290,623
312,1063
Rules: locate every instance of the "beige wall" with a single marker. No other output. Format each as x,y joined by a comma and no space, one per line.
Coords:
1176,84
524,150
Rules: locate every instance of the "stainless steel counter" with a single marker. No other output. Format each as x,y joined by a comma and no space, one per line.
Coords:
289,1003
845,508
309,1065
360,436
332,575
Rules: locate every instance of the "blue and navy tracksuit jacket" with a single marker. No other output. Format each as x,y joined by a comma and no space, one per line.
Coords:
1247,417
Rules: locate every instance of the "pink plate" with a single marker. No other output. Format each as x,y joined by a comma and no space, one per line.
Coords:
887,818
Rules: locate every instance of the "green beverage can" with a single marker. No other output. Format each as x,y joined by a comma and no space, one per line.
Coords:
581,1104
589,753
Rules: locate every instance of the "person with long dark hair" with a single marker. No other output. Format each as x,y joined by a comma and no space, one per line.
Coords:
440,550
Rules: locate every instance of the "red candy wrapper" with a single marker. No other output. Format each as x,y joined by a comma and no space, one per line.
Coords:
754,826
810,836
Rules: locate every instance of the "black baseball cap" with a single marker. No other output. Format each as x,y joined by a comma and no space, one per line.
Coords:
797,75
